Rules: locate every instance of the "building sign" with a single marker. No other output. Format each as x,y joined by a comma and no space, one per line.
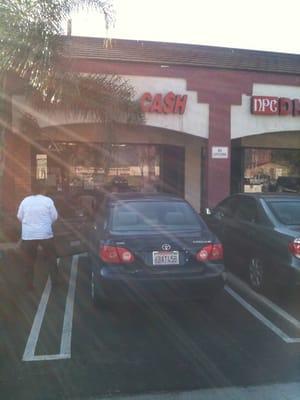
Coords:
163,104
270,105
219,152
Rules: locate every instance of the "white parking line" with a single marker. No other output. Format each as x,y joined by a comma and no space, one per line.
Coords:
261,317
37,323
236,282
65,346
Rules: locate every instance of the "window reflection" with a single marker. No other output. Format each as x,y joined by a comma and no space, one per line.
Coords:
71,166
267,170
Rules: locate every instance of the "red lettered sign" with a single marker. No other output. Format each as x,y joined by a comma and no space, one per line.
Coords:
296,108
167,104
270,105
264,105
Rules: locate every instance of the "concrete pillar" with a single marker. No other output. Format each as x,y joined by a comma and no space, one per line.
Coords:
218,169
193,172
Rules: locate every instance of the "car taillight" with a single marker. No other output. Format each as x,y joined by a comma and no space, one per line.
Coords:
294,247
116,255
125,255
210,252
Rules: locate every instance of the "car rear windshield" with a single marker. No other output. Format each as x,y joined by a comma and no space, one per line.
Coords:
149,215
287,212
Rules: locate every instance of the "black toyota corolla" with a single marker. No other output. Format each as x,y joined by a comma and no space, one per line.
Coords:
153,247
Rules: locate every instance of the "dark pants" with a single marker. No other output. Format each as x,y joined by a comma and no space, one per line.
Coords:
29,250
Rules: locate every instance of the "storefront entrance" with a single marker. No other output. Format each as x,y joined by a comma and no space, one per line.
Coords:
71,166
264,168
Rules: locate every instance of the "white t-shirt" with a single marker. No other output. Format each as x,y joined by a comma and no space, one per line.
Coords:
37,214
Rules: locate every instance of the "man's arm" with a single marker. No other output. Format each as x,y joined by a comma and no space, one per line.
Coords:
53,212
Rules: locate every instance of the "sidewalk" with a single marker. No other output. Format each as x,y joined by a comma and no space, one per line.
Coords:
283,391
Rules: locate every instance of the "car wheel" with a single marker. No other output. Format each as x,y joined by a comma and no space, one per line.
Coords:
257,274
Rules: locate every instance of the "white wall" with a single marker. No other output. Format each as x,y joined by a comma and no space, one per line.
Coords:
243,123
194,121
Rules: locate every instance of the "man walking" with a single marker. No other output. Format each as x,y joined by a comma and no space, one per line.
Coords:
37,213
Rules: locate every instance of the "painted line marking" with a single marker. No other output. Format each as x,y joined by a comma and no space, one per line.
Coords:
235,281
37,323
66,338
50,357
261,317
65,345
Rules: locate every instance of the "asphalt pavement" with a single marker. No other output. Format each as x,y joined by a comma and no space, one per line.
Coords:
56,345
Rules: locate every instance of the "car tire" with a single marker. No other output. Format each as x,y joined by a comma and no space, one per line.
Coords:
257,274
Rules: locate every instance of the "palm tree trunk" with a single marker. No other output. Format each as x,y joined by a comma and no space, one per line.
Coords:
5,120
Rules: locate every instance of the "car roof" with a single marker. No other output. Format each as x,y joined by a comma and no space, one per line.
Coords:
134,196
271,196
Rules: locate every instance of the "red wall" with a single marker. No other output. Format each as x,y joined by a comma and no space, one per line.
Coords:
219,88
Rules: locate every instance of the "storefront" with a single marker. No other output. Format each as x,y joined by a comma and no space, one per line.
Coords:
162,155
265,170
217,121
73,166
268,160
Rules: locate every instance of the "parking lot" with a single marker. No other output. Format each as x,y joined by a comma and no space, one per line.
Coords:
55,344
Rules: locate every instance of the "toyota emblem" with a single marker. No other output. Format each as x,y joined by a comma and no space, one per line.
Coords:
166,247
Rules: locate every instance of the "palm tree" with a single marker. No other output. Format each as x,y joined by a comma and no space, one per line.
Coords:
32,51
32,48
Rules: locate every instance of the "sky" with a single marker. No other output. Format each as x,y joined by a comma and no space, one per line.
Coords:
272,25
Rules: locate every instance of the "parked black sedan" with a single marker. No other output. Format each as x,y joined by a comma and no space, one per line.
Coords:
261,235
153,247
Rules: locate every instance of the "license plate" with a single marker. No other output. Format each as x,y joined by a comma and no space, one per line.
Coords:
165,257
74,243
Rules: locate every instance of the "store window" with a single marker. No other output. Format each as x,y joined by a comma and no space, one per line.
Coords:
41,166
269,170
70,166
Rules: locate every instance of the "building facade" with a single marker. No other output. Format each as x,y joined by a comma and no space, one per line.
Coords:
217,121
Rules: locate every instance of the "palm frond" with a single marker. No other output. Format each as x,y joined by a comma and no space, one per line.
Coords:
31,47
103,6
100,97
30,30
